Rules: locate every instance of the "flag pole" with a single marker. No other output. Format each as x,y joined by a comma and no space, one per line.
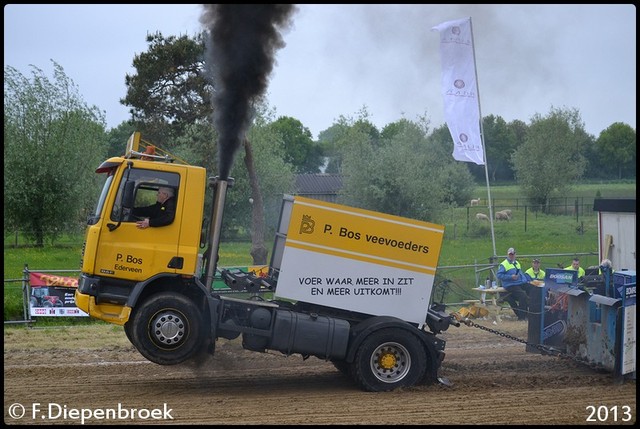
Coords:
484,150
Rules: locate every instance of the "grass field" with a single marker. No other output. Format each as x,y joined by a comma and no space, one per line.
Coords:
465,256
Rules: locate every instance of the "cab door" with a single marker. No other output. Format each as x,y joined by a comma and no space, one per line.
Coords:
127,252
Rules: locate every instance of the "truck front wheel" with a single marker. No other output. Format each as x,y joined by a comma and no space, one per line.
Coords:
128,331
167,329
388,359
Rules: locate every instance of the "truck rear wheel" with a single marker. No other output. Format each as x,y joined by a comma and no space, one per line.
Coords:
167,329
389,359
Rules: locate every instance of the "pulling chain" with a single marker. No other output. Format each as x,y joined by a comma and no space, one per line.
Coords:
544,350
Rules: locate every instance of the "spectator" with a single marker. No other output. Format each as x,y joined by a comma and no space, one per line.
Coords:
516,283
159,214
605,266
575,265
606,271
535,272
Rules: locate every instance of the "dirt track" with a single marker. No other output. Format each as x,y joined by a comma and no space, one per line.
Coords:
495,381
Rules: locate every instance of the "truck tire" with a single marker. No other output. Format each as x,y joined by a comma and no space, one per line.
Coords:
388,359
167,329
127,330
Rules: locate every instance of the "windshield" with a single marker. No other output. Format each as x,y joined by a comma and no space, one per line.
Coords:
93,218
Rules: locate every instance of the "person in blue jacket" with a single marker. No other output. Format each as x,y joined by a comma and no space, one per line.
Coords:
516,283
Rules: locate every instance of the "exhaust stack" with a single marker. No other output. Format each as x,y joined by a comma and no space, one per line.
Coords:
220,187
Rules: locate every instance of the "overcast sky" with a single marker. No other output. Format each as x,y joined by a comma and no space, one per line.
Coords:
341,58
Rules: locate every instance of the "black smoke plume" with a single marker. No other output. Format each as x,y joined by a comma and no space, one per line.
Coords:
240,46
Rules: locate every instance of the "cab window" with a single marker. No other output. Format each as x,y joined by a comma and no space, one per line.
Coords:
147,183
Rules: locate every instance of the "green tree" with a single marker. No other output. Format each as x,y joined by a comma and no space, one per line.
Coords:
596,169
300,150
500,143
340,134
617,149
53,142
118,136
169,90
551,159
329,140
408,175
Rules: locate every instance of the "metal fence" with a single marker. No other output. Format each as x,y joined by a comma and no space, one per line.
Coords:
569,206
453,283
24,285
526,214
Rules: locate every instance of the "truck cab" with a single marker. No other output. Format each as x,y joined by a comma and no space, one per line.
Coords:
118,258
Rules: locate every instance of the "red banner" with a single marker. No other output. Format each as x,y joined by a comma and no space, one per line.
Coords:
53,295
42,279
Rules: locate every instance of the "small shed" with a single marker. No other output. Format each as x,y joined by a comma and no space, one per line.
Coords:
617,231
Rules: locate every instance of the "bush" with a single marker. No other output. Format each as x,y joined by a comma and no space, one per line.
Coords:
13,307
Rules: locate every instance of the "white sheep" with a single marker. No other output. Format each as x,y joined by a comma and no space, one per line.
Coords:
482,216
475,202
502,216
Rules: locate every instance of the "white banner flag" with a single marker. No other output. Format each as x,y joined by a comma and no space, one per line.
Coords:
459,89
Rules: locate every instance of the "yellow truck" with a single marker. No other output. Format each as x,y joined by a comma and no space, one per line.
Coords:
346,285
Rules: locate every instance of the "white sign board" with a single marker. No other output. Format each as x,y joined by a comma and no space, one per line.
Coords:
359,260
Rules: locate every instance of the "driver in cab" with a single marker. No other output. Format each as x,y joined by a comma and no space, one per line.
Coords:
159,214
